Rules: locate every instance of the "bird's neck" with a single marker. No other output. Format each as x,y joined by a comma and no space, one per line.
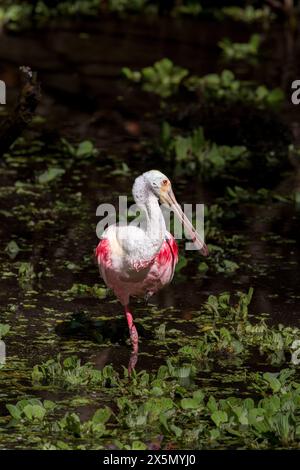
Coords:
155,228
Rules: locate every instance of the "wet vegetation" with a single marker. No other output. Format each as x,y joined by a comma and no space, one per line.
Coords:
219,353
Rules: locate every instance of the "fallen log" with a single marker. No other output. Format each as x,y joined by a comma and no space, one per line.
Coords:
18,120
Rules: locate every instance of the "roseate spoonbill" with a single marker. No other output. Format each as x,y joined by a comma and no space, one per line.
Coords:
138,261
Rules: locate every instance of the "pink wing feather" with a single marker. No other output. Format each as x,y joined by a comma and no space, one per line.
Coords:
159,273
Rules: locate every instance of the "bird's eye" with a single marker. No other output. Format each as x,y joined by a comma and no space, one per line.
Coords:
165,182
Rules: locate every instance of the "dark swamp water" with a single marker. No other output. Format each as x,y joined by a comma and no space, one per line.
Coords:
85,97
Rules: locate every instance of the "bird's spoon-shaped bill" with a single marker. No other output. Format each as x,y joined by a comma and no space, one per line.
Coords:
168,197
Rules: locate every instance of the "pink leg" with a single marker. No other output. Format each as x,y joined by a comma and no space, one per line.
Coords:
132,331
134,338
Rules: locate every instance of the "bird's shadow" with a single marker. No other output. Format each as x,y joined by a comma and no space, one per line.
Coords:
114,330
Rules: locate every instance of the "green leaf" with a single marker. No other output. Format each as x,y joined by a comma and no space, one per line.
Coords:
190,404
49,405
4,329
176,430
85,149
12,249
50,175
38,412
227,77
14,411
102,415
214,433
275,96
230,266
212,404
203,267
273,381
138,445
28,411
219,417
193,403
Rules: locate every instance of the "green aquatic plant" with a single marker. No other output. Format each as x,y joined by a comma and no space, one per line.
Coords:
26,272
267,419
96,426
237,195
50,175
29,410
188,8
219,260
210,158
168,402
249,14
222,248
75,7
163,78
194,152
226,86
83,290
4,330
157,404
199,352
12,249
83,150
12,16
222,343
19,16
222,305
70,373
240,51
273,341
123,170
275,382
126,5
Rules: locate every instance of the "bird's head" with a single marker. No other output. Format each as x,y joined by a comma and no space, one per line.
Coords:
159,185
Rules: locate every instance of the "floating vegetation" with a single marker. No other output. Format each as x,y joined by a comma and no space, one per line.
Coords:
249,14
221,305
240,51
26,272
127,5
13,16
163,78
78,290
50,175
12,249
152,404
31,410
195,153
85,149
188,8
17,17
70,373
227,87
177,401
4,329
